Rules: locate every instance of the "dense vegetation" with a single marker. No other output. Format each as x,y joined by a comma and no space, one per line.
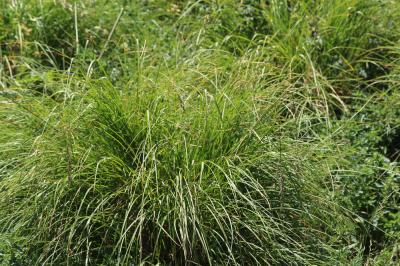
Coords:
200,132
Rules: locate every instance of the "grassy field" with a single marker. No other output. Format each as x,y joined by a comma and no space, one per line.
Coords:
226,132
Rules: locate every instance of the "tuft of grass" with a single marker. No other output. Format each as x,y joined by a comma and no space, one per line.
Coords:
146,175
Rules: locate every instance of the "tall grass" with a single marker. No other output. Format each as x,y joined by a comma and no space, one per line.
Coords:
146,175
193,132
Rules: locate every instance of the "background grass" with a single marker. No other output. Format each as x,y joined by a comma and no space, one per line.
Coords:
199,132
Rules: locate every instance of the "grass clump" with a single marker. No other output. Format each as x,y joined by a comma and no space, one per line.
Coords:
140,176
